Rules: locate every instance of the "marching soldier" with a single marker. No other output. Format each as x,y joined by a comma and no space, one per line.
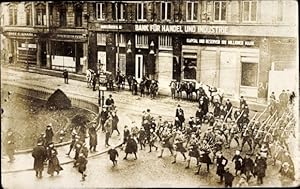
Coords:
246,137
153,138
166,143
204,156
234,134
192,150
178,144
228,108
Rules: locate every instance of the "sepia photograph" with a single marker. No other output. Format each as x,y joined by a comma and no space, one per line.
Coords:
149,94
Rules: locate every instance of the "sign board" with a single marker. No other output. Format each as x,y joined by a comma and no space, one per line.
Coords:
102,79
228,42
102,88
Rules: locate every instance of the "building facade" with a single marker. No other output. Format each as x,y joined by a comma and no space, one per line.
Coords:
230,44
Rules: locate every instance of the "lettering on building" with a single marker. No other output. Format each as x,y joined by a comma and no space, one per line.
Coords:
220,42
181,28
110,27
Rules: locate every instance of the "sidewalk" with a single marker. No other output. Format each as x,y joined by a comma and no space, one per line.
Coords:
256,106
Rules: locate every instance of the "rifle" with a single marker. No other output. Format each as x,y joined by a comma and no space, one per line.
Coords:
239,116
271,117
287,125
250,122
274,123
262,126
228,113
262,113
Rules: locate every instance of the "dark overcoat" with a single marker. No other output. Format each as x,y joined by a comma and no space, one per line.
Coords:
39,154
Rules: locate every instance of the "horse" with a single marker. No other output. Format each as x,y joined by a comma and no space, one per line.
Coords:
89,77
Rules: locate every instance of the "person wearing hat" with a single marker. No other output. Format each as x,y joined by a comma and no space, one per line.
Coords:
152,140
247,166
142,138
228,108
53,165
103,117
39,154
108,130
131,147
73,141
109,101
66,76
165,142
81,163
260,167
228,178
126,134
242,103
49,134
93,138
113,154
286,174
173,88
134,86
238,160
10,144
221,163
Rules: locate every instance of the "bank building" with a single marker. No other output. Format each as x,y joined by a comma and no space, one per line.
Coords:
237,45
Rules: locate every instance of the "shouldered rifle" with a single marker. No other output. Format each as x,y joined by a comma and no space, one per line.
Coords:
239,116
274,123
262,126
249,123
262,113
228,113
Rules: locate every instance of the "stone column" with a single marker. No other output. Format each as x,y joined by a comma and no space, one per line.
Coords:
38,53
47,14
33,13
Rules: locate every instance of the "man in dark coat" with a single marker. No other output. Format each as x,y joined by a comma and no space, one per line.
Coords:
49,134
242,103
131,147
126,134
53,165
39,154
228,109
238,160
247,166
115,121
228,177
103,117
81,164
221,163
66,76
93,138
180,114
109,101
199,113
134,86
113,154
260,167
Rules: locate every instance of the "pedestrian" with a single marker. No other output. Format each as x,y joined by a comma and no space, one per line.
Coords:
228,178
66,76
126,134
247,166
103,117
142,138
221,163
10,144
113,154
166,141
115,121
109,102
242,103
287,175
242,182
73,141
131,147
39,154
108,130
152,140
81,163
228,107
238,160
173,87
178,144
260,167
134,86
53,165
49,134
93,138
78,145
42,139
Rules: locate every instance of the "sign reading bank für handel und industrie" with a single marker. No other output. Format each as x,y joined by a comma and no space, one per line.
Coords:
203,29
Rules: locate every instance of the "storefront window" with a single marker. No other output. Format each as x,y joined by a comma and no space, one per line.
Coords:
249,11
189,70
64,49
249,74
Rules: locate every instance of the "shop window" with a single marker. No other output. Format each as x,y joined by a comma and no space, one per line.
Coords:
165,41
101,39
40,15
78,16
63,17
191,11
249,11
189,68
100,11
249,74
220,10
64,49
28,10
141,41
141,11
119,11
166,11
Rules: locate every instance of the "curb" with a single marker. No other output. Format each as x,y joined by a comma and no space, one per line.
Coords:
63,163
30,150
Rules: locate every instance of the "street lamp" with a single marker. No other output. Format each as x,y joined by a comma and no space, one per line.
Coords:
152,48
129,47
151,68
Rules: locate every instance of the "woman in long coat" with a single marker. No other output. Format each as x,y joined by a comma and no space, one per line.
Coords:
53,165
93,138
131,147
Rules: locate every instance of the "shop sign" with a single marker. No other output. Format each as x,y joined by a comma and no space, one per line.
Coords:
110,27
182,28
70,36
21,34
220,42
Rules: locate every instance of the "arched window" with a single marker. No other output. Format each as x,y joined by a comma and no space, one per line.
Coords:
40,14
78,14
28,10
63,16
13,14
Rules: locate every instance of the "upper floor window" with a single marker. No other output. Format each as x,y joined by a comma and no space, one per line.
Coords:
141,11
78,15
63,17
166,11
249,11
280,10
13,15
28,10
40,15
220,10
101,39
191,11
165,41
119,11
100,11
141,41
